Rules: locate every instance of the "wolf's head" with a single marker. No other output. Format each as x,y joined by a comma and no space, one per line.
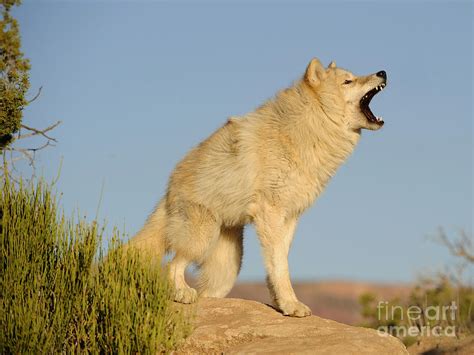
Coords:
344,96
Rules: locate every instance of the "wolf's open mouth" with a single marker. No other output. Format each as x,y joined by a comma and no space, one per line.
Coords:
365,101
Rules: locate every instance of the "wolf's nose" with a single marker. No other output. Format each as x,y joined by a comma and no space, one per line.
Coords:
382,74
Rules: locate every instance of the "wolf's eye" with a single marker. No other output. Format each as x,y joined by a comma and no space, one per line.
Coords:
347,82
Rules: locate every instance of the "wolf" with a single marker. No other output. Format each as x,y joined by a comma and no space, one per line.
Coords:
266,168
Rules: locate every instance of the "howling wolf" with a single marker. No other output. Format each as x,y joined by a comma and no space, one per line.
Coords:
264,168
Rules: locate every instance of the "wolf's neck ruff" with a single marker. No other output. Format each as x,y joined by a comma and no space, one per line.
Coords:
314,126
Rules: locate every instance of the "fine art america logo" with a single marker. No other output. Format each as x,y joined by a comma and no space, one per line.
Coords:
414,321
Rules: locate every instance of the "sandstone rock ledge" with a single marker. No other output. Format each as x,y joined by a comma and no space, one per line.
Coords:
240,326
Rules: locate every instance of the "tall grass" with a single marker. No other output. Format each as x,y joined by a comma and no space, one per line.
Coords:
58,293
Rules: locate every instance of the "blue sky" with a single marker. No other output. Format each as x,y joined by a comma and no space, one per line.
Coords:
137,84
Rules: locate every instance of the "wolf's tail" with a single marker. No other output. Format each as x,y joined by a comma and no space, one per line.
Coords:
151,239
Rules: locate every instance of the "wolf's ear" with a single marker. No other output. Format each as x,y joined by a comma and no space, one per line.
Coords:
332,65
315,72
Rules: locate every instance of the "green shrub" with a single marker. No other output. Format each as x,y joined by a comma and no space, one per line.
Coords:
441,290
444,301
58,293
374,314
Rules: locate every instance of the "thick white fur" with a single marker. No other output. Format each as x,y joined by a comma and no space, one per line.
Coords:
264,168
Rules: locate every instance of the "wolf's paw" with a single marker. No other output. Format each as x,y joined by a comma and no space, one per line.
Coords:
185,295
294,309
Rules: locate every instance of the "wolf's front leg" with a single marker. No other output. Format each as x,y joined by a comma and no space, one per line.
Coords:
275,234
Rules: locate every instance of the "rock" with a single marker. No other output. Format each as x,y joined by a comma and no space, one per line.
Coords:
464,345
240,326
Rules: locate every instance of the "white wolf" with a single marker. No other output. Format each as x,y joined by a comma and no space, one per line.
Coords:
264,168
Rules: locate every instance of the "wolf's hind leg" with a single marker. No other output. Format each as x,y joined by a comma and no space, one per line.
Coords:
183,293
191,234
222,264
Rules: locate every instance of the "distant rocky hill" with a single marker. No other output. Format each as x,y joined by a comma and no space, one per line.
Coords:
336,300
